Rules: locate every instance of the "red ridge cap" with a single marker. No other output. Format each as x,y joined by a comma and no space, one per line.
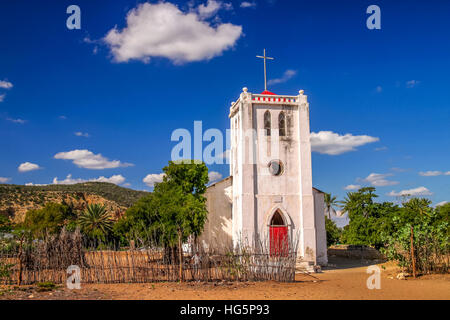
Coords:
268,92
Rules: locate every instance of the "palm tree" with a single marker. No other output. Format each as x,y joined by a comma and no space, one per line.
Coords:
329,203
95,221
360,200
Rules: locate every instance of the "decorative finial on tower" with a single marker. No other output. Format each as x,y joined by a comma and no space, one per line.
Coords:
244,89
265,68
301,92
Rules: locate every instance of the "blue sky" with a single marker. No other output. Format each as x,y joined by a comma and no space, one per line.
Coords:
99,107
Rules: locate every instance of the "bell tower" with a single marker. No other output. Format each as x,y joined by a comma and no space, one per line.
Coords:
270,161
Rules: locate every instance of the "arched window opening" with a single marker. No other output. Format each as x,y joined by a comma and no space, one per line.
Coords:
277,219
267,123
282,124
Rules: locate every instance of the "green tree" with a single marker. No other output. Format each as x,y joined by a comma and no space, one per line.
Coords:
192,177
330,203
360,202
5,224
140,222
48,220
96,222
443,212
333,232
368,219
430,236
174,211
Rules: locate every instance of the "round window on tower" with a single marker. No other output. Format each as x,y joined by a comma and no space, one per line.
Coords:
276,167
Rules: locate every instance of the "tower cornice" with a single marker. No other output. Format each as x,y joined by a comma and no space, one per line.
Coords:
267,99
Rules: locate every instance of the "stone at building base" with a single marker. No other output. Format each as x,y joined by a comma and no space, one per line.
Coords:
305,266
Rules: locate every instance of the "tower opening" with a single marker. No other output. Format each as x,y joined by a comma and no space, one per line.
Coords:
282,124
267,123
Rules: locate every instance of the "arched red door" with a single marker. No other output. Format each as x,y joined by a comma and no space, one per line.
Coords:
278,233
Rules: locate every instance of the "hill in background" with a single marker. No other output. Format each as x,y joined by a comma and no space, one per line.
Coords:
16,200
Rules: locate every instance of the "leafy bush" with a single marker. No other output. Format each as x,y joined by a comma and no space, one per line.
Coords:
5,224
388,227
430,241
173,212
5,271
48,220
46,286
368,219
333,232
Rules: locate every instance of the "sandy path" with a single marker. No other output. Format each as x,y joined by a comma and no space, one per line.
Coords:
349,282
333,284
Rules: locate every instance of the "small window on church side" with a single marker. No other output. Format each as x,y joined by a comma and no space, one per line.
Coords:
267,123
282,124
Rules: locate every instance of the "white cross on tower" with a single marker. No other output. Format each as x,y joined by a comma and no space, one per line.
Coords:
265,68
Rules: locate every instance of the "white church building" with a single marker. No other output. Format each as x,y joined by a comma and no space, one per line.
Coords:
269,196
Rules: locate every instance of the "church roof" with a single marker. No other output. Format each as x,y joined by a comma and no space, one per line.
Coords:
268,92
320,191
220,181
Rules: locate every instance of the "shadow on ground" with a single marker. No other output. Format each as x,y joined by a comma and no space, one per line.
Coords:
338,263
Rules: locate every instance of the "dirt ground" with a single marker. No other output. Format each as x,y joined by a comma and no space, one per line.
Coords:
342,279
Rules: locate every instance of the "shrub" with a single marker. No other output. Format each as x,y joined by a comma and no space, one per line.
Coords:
368,219
46,286
5,272
430,241
333,232
48,220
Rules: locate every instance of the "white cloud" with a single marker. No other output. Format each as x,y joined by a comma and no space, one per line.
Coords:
211,8
4,180
287,75
2,97
381,149
214,176
434,173
82,134
28,166
88,160
20,121
420,191
441,203
151,179
379,180
328,142
352,187
247,4
116,179
412,83
163,30
5,84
